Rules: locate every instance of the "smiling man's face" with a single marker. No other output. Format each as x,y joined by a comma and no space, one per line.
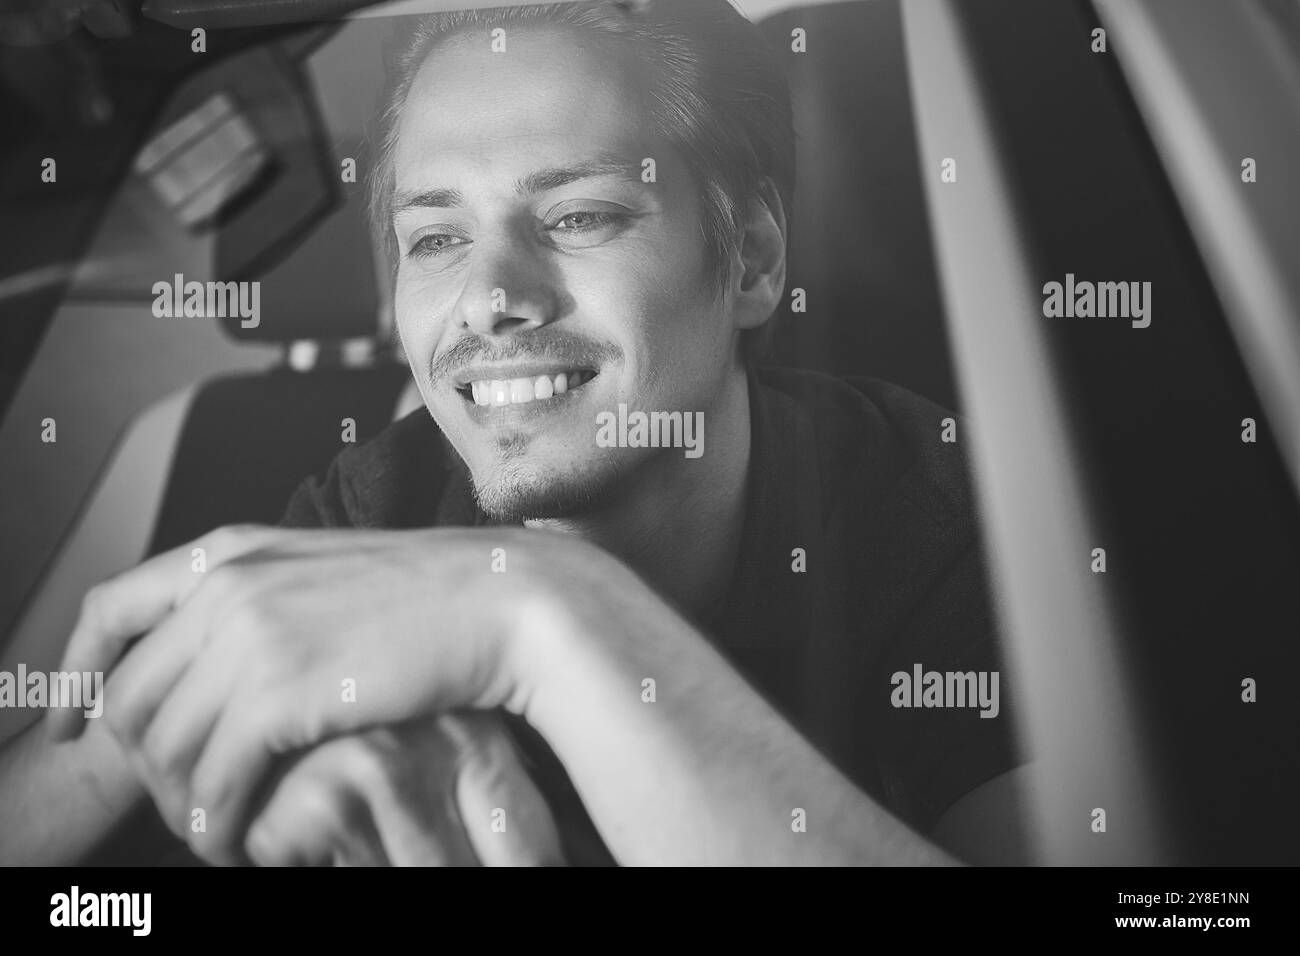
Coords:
541,280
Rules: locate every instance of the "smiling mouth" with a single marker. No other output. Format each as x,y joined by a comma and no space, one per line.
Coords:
521,391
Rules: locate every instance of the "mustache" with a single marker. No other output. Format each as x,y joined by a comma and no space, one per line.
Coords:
565,348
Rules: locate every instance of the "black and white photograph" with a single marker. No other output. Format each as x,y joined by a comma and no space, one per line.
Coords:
675,433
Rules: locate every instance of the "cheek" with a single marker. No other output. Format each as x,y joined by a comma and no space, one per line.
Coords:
683,320
659,295
681,326
419,313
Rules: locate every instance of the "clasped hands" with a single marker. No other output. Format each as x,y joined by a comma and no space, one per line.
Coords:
316,697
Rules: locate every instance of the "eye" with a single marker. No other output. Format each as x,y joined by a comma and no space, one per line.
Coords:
584,220
434,244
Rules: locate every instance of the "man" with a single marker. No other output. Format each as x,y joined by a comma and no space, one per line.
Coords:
532,636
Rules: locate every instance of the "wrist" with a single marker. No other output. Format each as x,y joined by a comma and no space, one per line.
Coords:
563,629
543,638
534,647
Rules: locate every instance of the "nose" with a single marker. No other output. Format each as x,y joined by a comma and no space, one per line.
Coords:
509,288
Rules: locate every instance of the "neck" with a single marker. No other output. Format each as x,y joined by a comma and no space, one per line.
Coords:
679,520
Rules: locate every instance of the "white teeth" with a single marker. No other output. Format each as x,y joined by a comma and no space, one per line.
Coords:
521,391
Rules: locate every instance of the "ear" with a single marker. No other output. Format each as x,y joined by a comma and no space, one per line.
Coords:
759,268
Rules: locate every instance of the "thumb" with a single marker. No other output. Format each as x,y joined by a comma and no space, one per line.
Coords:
504,814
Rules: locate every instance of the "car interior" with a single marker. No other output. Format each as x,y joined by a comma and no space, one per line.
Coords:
248,161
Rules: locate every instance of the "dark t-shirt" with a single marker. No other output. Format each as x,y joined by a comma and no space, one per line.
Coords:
860,558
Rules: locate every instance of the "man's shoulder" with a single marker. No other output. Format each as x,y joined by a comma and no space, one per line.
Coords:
413,438
904,569
878,440
393,480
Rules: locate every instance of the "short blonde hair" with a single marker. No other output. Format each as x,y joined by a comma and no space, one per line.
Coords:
718,94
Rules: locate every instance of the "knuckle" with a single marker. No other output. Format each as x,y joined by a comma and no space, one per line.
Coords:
230,538
313,799
430,852
228,581
161,751
484,740
373,769
268,672
115,726
246,530
94,605
480,766
331,809
211,791
355,765
264,846
251,623
123,724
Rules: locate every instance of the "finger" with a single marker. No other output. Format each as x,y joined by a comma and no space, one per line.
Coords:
435,836
176,728
284,805
171,687
115,612
137,599
313,819
264,719
427,830
506,818
252,731
360,845
145,677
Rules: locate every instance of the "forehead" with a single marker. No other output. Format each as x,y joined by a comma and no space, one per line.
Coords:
548,99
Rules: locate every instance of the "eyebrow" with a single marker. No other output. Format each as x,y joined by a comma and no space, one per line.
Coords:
539,181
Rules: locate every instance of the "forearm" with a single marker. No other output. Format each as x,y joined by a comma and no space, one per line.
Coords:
60,799
708,772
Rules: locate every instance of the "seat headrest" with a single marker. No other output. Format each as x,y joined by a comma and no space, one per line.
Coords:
326,289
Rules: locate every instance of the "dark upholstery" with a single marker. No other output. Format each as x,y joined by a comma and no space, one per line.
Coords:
249,441
860,241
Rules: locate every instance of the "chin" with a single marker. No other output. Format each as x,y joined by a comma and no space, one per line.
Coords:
519,491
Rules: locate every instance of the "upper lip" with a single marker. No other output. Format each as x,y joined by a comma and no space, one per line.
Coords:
505,371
